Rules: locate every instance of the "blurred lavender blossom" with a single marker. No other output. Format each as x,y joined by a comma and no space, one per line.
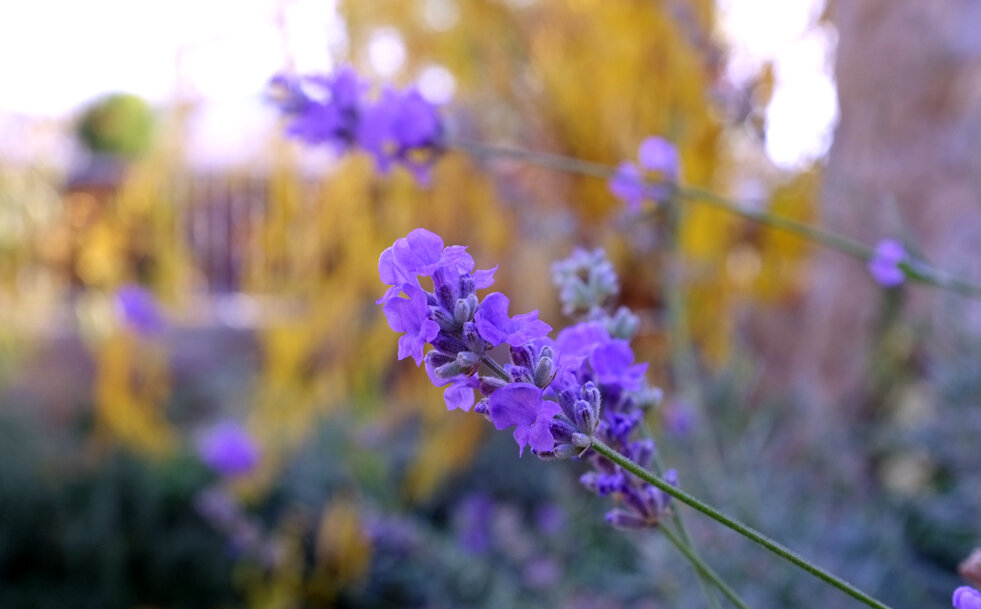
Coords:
884,265
652,178
139,310
229,450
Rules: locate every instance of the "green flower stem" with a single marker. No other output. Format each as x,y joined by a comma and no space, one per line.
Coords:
735,525
703,568
495,367
915,271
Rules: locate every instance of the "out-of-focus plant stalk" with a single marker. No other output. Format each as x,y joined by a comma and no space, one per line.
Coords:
737,526
701,567
915,270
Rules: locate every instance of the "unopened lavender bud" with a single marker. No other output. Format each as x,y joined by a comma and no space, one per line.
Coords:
449,344
444,319
567,451
467,359
648,397
591,393
436,358
463,311
467,286
520,374
623,519
589,481
472,338
544,371
586,418
581,440
567,400
523,356
481,408
464,363
547,352
643,451
561,430
623,324
490,384
445,295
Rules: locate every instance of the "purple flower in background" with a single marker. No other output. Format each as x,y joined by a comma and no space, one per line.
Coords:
651,178
660,155
627,184
884,264
522,405
228,449
472,521
411,315
496,327
966,597
323,109
402,127
398,127
139,310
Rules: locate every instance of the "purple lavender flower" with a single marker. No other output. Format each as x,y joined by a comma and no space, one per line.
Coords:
884,264
402,127
139,310
472,521
632,183
420,254
522,405
966,597
322,109
398,127
496,327
228,449
411,315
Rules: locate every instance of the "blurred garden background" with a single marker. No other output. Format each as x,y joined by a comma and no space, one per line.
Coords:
172,268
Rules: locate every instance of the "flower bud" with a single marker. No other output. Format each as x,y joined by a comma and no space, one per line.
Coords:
544,372
462,312
490,384
448,344
523,356
622,324
464,363
481,408
566,451
520,374
467,286
623,519
586,418
467,359
561,430
444,319
437,358
591,394
472,338
581,440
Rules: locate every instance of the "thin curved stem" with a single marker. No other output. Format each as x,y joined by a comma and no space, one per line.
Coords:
916,270
495,367
744,530
703,568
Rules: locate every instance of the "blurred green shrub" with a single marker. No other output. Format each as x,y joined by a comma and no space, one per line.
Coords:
120,125
112,531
